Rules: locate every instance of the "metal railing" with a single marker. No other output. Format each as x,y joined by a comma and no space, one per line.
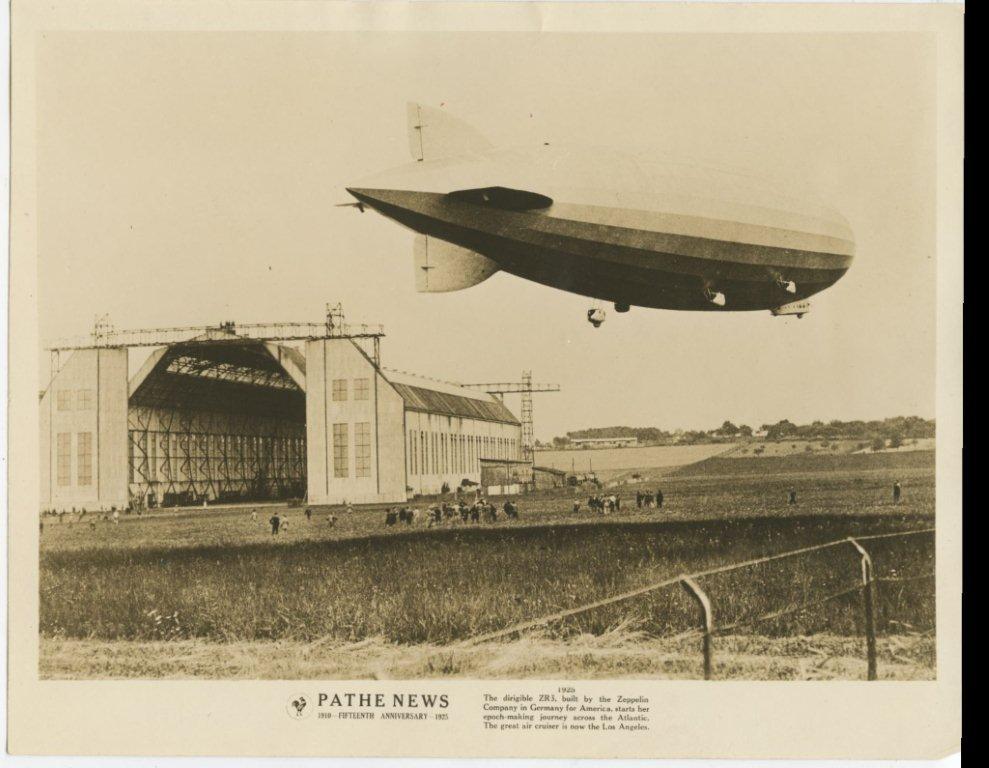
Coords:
867,586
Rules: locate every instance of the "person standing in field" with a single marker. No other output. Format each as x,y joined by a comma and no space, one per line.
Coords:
792,496
659,498
254,515
896,492
116,516
309,514
276,523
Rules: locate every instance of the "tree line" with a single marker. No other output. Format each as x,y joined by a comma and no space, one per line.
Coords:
892,431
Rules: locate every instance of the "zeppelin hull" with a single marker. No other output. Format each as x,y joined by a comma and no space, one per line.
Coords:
572,249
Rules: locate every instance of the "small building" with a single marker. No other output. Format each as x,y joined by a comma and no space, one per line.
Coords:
544,478
604,442
505,477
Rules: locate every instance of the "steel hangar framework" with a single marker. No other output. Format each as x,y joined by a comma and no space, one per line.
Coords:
216,419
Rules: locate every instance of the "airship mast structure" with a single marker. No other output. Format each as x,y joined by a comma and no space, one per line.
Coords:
525,388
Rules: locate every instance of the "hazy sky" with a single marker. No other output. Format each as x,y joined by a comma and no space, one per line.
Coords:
186,179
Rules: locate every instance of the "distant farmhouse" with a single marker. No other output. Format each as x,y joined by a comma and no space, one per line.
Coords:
604,442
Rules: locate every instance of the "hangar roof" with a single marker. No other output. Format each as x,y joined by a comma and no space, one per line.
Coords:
444,397
434,401
220,373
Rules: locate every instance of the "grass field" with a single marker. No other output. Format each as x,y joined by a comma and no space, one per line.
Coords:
649,460
208,583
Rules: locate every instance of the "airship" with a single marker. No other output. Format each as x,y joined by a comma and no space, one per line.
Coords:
623,228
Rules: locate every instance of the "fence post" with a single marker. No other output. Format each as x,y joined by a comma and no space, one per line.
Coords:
707,616
869,606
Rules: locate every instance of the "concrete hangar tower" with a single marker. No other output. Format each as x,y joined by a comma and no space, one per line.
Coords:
235,413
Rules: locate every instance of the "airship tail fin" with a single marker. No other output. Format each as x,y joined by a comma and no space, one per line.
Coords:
442,267
433,134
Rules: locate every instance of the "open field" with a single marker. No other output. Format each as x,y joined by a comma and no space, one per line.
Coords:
649,460
654,463
213,582
890,464
783,447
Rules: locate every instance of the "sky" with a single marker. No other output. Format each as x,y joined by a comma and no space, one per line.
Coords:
192,178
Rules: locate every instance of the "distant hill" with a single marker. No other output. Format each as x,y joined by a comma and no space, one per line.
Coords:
768,465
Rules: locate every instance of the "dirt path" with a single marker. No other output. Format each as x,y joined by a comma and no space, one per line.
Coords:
613,655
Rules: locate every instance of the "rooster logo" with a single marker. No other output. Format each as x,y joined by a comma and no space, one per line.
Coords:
297,707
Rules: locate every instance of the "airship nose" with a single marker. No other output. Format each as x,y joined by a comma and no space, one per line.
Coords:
360,194
376,198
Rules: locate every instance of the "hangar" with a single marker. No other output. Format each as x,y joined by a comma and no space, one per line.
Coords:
251,413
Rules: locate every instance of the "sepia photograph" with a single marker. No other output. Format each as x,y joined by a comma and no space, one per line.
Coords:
486,355
679,422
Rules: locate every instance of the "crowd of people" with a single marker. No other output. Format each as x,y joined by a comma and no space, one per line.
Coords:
279,523
68,517
602,505
446,512
649,500
609,504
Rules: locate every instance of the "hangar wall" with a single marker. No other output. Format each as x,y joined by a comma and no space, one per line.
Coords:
449,449
84,433
355,452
